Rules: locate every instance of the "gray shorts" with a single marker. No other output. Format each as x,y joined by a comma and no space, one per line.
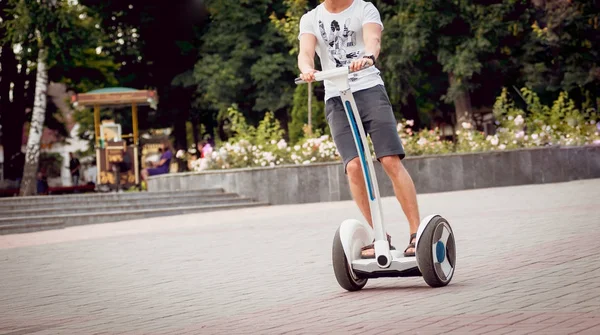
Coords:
378,121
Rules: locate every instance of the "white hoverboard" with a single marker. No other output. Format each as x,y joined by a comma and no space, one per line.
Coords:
435,258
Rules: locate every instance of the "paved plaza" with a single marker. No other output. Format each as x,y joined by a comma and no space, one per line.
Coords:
528,261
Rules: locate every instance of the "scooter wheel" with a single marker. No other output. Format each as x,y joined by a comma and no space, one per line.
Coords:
341,268
436,253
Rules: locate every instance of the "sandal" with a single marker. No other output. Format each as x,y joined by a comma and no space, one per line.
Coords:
372,247
410,245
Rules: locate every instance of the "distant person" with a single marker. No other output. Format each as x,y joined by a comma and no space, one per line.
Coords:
163,165
16,165
122,167
91,173
74,166
42,183
207,150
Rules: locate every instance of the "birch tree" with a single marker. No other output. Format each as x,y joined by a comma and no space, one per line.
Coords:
32,153
57,31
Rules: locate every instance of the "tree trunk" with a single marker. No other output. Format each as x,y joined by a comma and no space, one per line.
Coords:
209,125
462,104
196,135
179,130
36,128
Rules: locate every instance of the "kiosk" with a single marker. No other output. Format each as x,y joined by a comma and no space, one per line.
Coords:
116,161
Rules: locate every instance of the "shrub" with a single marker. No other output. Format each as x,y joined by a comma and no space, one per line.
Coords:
539,125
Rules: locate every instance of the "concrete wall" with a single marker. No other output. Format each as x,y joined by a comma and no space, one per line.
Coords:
327,181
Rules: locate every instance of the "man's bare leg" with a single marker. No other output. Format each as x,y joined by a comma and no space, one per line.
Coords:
359,194
404,189
358,188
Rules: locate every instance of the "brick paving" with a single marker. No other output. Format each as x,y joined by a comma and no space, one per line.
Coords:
528,262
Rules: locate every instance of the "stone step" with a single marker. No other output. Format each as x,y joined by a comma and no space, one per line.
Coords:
28,227
94,208
75,219
34,200
93,202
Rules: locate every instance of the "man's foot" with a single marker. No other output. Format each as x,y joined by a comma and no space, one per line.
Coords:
410,250
369,250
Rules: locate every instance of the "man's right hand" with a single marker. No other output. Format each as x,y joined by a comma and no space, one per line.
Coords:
308,76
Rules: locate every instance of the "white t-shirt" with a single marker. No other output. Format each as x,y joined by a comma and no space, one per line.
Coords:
340,40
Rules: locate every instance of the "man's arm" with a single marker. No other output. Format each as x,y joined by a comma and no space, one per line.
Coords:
306,57
372,40
163,161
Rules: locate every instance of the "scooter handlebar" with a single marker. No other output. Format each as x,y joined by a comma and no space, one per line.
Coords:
324,75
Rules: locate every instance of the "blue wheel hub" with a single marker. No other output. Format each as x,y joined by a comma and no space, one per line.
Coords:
440,251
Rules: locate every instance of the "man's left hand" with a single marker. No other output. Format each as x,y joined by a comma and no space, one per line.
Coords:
360,63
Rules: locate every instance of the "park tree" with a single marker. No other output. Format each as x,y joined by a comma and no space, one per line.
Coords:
461,36
12,84
414,79
242,60
289,27
43,30
562,49
297,127
156,46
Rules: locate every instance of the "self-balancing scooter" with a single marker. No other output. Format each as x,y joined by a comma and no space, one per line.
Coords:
435,258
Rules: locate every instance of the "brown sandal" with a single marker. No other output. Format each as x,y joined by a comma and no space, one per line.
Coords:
410,245
372,247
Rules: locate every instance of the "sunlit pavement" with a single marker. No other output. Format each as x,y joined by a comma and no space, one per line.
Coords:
528,262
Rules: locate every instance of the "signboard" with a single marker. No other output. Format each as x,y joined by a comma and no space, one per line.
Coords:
117,161
110,132
141,97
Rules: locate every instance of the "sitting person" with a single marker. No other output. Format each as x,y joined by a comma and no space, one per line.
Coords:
163,165
42,183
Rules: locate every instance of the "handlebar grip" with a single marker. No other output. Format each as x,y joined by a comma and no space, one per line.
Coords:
328,73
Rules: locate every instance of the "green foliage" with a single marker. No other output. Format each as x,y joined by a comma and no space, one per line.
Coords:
244,53
289,25
459,35
563,115
267,77
299,117
560,124
88,73
219,80
268,128
241,60
69,36
57,28
561,51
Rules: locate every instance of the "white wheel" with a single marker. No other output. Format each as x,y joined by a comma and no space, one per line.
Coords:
341,267
350,237
436,252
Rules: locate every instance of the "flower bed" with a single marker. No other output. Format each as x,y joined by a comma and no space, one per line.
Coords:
560,124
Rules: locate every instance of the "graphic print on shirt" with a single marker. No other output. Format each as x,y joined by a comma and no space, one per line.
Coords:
337,41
